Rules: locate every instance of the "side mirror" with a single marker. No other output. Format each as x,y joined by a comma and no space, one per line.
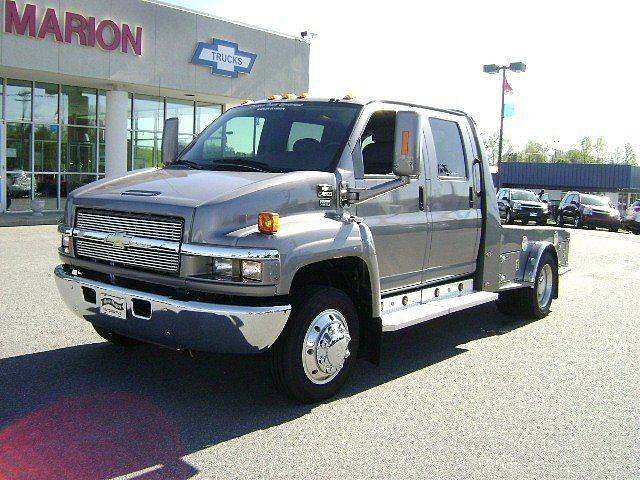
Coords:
408,145
170,141
544,200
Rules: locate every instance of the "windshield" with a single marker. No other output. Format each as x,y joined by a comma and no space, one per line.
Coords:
523,195
595,200
274,137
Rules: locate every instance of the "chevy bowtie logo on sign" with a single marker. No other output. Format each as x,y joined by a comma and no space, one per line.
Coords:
224,58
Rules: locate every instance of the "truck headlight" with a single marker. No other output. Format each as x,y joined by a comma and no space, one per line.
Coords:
587,211
252,270
223,267
516,205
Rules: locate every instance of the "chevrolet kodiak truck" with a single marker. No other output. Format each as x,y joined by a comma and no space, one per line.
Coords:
306,227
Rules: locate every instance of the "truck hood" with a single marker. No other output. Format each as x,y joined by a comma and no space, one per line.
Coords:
178,187
213,204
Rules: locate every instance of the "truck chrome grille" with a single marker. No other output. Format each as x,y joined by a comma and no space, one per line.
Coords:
130,240
138,225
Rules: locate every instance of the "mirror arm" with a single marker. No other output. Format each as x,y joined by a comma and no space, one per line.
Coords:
355,196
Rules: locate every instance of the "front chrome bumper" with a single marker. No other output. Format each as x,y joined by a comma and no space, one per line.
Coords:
175,323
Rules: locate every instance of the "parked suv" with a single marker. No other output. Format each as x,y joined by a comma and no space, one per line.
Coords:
631,220
583,210
521,205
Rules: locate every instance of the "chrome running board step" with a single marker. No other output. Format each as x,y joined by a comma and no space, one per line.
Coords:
403,311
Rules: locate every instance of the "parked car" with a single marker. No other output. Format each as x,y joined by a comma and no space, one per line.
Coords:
583,210
521,205
631,219
552,203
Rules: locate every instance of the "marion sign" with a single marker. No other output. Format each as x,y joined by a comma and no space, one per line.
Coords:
72,27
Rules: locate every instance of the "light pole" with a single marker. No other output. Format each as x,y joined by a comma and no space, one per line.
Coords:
493,68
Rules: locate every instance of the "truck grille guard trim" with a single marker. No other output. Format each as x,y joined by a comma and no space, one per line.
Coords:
193,249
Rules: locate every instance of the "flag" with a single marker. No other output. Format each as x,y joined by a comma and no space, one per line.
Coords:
507,87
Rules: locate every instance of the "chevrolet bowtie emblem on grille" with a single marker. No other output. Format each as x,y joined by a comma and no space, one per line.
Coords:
119,240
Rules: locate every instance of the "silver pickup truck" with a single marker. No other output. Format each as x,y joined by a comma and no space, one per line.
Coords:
305,227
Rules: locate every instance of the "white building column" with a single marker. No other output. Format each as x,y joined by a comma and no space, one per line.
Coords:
115,134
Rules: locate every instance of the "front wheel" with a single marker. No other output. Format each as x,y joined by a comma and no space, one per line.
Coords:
577,222
316,352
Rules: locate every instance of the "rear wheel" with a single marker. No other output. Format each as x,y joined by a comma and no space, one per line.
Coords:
116,338
316,352
532,302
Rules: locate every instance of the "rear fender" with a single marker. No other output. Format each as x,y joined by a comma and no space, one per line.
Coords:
533,257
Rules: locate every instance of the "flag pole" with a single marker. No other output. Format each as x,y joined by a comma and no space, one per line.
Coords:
502,85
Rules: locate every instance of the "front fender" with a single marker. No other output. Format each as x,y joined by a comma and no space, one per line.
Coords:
315,237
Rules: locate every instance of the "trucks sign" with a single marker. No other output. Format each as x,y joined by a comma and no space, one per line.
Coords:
224,58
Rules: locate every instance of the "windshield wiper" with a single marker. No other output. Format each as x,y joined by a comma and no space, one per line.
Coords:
244,163
187,163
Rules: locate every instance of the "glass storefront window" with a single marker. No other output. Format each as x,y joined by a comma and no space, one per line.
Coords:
18,191
148,113
78,105
184,111
70,181
46,148
102,108
205,115
18,146
101,151
79,149
45,103
47,190
18,100
146,149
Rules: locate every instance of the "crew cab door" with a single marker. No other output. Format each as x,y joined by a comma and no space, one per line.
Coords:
398,220
454,209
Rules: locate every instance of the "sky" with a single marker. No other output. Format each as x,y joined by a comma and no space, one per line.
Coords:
582,58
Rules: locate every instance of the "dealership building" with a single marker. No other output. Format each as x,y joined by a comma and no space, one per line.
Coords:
86,86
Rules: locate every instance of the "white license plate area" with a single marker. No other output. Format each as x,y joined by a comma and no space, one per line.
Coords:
533,214
113,306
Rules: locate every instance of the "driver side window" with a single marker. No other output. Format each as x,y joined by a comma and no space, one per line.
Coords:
377,143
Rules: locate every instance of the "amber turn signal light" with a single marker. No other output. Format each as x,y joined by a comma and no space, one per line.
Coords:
268,222
405,143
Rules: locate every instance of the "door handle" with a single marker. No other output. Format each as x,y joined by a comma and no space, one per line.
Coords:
421,198
471,197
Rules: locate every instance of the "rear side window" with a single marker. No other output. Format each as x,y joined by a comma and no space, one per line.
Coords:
309,133
449,148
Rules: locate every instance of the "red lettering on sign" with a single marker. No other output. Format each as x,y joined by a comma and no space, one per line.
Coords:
14,24
105,44
50,25
75,23
129,39
107,34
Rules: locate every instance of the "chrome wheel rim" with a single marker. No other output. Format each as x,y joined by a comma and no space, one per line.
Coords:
326,347
545,285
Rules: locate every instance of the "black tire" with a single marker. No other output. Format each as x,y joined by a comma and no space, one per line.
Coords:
636,232
508,217
116,338
577,222
524,301
286,364
541,222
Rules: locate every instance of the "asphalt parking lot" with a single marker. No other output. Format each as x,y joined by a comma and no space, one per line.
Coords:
470,396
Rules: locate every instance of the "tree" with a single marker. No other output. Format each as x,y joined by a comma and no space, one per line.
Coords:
490,143
586,146
535,152
629,155
600,149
